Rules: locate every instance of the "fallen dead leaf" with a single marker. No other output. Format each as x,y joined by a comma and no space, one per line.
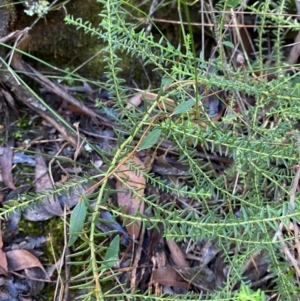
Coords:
35,273
7,96
22,259
167,104
3,260
200,276
134,101
6,165
177,255
132,189
50,206
168,276
22,298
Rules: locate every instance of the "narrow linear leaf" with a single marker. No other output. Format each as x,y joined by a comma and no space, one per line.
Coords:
76,222
150,139
184,107
111,255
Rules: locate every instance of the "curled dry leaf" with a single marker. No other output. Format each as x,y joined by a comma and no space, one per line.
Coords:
35,285
131,190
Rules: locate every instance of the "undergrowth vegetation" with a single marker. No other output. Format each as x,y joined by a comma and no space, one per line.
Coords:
239,187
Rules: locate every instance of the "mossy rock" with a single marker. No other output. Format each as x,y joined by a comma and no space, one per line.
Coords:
62,45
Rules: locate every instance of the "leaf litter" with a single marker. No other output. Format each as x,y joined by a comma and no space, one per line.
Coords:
165,266
6,165
131,189
161,265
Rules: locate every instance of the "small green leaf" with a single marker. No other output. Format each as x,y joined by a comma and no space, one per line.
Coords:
166,81
184,107
228,44
233,3
76,222
111,255
150,139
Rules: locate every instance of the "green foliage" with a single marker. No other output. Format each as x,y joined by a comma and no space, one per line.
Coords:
111,255
78,216
184,107
246,294
150,139
261,159
256,184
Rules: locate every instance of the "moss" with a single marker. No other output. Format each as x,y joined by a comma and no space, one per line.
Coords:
59,44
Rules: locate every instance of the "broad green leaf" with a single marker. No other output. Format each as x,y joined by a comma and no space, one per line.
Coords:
111,255
228,44
150,139
76,222
184,107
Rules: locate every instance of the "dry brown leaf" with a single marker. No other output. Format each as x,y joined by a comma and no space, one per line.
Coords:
3,271
42,179
22,298
177,255
168,276
6,165
3,260
8,98
1,241
35,285
15,35
159,259
134,101
43,182
200,276
167,104
22,259
131,192
50,206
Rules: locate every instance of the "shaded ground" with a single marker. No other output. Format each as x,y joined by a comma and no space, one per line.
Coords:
141,189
